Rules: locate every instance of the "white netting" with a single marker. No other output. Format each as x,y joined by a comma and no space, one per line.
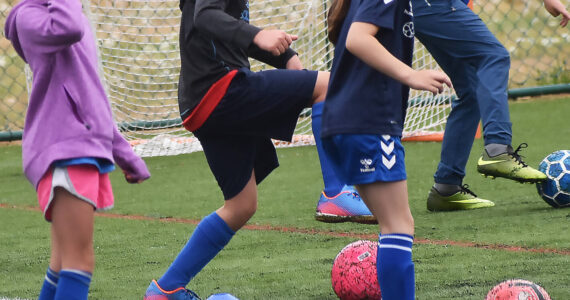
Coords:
138,48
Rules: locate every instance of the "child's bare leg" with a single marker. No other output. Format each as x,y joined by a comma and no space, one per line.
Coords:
388,201
210,237
320,91
239,209
73,227
55,258
49,286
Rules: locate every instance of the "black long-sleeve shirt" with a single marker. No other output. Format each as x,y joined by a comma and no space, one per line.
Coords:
215,38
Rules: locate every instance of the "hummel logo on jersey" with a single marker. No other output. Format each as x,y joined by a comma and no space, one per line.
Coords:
366,162
482,162
408,30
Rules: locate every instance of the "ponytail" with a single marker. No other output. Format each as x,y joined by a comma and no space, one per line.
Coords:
337,14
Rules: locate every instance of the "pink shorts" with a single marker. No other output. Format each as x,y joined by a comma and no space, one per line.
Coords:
82,181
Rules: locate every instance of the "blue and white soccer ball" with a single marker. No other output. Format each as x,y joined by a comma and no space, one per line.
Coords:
222,296
556,189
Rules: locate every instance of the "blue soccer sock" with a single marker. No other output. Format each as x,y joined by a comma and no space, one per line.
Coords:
333,185
50,285
73,285
210,236
395,267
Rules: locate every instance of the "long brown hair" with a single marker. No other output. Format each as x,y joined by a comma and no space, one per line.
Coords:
335,18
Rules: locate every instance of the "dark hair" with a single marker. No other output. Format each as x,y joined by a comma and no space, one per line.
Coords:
335,18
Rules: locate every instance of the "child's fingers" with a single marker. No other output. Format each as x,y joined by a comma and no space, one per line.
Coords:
443,78
284,45
447,81
294,37
434,90
130,178
565,18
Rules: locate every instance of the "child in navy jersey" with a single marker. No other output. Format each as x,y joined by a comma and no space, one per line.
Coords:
368,91
235,113
479,65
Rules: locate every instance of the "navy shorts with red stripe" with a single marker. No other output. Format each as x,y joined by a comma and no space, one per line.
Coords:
257,107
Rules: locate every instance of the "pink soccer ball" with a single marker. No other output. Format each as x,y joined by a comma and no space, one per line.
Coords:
517,289
353,273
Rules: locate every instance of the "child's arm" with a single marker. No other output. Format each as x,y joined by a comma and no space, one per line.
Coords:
555,8
268,46
274,41
53,27
279,61
294,63
133,166
210,18
362,43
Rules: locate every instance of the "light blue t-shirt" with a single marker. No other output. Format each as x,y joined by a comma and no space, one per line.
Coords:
104,165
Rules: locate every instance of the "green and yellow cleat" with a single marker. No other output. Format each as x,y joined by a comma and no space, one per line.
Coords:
464,199
509,165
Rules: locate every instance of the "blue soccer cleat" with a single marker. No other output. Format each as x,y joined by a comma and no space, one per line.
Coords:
347,206
155,292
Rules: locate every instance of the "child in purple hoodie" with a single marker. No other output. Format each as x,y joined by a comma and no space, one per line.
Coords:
70,141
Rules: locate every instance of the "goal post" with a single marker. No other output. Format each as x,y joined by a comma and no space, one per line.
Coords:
139,58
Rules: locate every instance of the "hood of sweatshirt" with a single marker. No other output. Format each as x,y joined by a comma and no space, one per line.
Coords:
10,28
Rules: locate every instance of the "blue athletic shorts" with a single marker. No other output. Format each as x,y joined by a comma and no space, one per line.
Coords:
366,158
257,107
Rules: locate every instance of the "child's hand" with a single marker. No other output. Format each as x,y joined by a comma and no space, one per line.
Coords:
428,80
136,172
274,41
555,8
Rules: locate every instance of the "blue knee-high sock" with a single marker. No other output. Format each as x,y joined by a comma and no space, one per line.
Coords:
395,267
333,185
50,285
210,236
73,285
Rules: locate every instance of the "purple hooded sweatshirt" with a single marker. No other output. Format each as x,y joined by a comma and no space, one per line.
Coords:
69,115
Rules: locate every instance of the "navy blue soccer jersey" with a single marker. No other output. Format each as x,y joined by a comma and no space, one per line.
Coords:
360,99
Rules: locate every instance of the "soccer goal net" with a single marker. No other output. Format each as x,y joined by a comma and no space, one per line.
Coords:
139,55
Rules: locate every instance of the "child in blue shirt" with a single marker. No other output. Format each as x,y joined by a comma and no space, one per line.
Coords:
479,66
368,91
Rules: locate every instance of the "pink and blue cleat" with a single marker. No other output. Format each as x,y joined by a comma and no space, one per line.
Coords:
347,206
155,292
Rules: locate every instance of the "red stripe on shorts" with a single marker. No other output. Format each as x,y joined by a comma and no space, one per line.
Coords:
209,102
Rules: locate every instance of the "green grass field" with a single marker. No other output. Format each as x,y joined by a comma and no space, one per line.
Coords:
284,253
